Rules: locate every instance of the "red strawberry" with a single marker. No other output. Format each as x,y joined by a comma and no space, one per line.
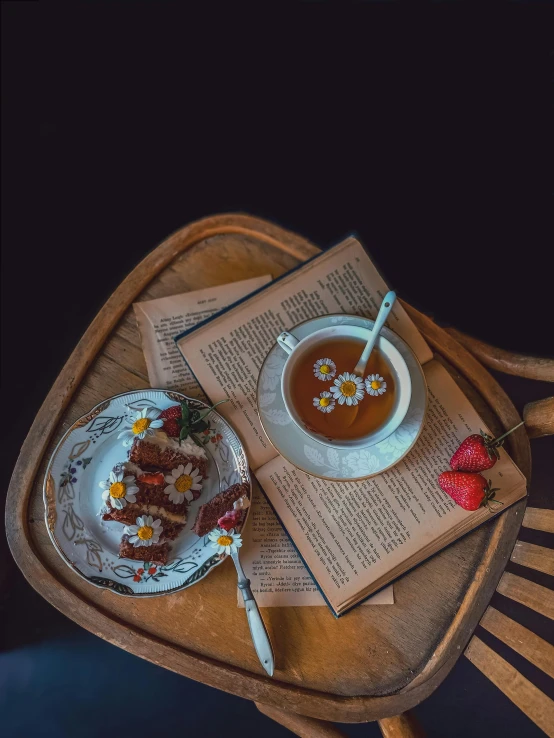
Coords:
478,452
230,520
170,416
155,478
470,491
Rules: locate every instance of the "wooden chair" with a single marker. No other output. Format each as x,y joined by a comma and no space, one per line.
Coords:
375,663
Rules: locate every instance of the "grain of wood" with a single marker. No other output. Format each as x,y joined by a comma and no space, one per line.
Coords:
529,645
535,704
385,660
305,727
534,557
539,417
539,518
527,593
401,726
520,365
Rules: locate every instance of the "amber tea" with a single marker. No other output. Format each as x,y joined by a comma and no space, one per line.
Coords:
335,403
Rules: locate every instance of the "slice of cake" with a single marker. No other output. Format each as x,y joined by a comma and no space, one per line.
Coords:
212,511
163,452
145,538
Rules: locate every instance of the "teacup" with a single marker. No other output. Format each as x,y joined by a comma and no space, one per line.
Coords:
296,350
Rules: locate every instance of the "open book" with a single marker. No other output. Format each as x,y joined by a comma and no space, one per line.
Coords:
370,532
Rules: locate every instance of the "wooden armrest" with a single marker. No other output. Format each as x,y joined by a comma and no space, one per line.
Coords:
539,417
530,367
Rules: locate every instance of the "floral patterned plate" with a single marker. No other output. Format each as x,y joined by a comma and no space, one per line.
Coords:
315,458
73,498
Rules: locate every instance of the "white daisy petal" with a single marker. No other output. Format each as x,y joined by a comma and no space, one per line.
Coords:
196,486
157,424
128,480
130,497
118,503
134,540
105,494
104,485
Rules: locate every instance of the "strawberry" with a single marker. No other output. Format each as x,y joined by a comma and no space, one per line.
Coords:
170,417
470,491
155,478
230,520
478,452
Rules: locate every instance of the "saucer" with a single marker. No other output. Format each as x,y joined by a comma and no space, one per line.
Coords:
316,458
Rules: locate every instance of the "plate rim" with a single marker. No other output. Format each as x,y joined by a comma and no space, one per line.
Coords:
50,511
346,479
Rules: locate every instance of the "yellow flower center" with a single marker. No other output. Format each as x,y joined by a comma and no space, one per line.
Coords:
118,490
325,369
225,540
140,425
184,483
145,533
324,401
348,389
375,384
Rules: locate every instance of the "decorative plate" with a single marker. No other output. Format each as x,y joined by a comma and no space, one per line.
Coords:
315,458
73,498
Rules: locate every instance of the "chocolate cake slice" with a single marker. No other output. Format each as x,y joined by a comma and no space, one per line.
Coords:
157,452
211,511
158,553
172,524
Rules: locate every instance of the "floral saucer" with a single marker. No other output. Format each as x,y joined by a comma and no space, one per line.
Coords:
73,497
315,458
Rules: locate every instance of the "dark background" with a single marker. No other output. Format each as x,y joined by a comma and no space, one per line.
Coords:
427,131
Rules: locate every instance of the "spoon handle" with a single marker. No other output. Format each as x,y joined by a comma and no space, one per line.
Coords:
384,311
258,631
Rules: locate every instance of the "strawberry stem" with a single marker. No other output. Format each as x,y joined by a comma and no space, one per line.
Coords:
500,440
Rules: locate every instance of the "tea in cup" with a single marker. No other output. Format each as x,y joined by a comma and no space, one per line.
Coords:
332,405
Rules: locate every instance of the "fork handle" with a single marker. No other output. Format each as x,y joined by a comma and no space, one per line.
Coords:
260,637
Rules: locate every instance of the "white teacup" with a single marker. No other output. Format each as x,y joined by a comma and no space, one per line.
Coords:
296,349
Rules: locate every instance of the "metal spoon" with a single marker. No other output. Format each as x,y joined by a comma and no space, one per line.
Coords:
349,413
258,631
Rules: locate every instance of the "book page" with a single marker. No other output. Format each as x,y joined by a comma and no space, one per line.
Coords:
351,534
278,577
159,321
229,351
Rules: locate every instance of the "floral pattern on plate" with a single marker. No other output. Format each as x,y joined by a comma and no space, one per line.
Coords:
86,456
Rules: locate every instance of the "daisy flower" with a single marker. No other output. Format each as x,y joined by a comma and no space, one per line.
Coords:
375,385
119,490
225,541
181,482
348,388
324,402
325,369
146,532
144,423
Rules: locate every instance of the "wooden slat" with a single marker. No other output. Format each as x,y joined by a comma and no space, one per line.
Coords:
305,727
534,557
527,593
539,417
536,650
539,519
401,726
520,365
535,704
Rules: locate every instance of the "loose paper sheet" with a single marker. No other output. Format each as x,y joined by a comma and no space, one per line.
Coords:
266,545
159,321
